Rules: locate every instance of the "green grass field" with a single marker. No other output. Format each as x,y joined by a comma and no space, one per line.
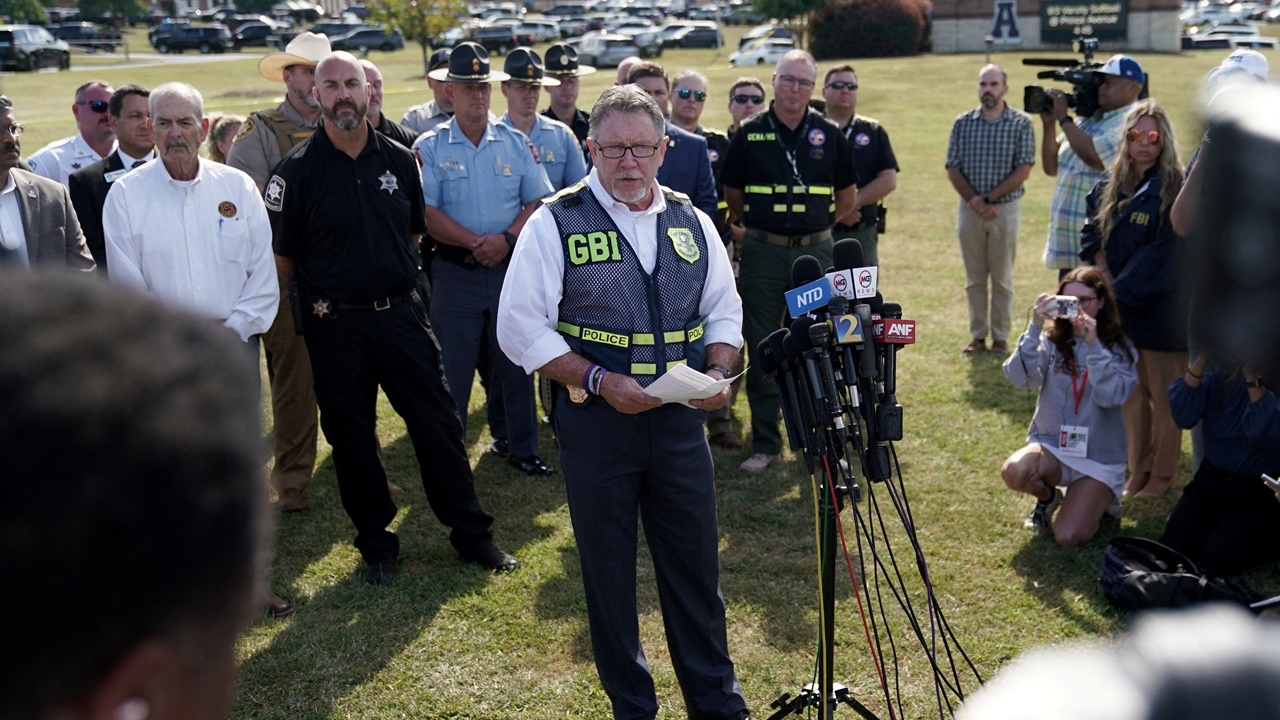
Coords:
451,641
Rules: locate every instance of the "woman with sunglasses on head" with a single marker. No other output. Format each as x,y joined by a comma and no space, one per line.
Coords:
1084,369
1129,238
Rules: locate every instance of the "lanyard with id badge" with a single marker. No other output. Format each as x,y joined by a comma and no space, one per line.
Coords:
1073,440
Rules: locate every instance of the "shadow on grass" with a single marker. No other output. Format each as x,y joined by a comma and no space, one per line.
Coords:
347,632
988,389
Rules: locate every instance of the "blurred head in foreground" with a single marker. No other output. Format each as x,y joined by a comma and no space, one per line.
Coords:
132,505
1210,662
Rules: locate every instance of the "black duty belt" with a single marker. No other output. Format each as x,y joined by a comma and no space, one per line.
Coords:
790,241
457,256
379,304
870,218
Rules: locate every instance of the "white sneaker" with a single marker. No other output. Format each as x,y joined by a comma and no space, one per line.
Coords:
757,462
1114,511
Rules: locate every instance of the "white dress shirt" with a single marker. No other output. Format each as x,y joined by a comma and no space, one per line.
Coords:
12,235
60,158
202,245
529,306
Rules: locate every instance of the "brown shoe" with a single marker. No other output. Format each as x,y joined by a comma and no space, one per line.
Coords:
291,500
975,347
727,440
275,606
395,490
1000,347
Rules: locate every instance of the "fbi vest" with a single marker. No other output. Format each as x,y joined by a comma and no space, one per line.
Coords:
774,200
614,313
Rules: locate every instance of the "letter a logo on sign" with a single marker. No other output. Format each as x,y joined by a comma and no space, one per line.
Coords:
1004,27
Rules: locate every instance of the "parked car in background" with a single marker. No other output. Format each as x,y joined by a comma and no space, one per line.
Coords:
256,34
695,37
771,30
541,29
166,26
204,38
369,37
496,38
743,15
30,47
763,51
605,50
86,35
1224,36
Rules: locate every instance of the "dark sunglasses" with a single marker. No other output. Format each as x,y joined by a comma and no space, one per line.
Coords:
98,106
698,95
744,99
842,85
1152,136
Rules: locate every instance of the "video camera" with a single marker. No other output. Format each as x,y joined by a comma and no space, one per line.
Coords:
1081,75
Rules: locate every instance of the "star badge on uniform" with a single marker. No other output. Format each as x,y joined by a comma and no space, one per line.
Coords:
682,241
320,308
389,182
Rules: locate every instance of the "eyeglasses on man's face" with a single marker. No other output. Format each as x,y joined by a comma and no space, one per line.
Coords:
15,130
795,82
744,99
617,152
98,106
842,85
686,93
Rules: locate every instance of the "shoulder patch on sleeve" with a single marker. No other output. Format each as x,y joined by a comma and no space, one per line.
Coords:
273,198
246,129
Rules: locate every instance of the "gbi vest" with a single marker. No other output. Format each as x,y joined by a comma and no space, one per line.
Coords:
614,313
774,201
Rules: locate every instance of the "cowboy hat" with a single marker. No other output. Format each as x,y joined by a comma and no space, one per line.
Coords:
307,49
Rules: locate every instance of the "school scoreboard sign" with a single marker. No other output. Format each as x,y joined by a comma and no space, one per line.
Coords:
1067,20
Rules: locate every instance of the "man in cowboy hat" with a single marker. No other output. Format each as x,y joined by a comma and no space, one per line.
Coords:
262,141
481,180
421,118
562,64
553,140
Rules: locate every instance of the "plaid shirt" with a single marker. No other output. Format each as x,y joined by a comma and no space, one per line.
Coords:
986,152
1067,213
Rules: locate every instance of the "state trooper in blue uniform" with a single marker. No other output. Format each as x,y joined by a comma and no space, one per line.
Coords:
554,142
614,282
480,181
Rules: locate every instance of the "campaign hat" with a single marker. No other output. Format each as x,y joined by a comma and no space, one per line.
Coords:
307,49
525,66
562,61
469,62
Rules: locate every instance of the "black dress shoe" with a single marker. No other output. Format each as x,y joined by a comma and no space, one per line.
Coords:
531,465
501,448
490,556
382,572
275,606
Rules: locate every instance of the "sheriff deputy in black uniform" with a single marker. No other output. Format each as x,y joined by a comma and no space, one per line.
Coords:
562,64
346,211
788,176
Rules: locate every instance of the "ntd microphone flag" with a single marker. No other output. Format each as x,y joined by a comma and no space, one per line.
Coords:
809,297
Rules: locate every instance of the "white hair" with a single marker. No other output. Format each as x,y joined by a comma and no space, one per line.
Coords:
178,90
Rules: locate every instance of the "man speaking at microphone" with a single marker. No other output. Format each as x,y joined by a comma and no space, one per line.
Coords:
613,282
788,175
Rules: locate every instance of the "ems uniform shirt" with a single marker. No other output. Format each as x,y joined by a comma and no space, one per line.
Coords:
203,245
348,223
557,150
484,187
60,158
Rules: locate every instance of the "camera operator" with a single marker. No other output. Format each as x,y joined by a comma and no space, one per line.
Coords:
1080,155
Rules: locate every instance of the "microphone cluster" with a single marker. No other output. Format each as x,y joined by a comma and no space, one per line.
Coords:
836,364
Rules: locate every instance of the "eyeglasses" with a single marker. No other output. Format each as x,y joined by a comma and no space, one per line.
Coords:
14,130
1087,299
796,82
1151,136
617,152
98,106
744,99
842,85
684,93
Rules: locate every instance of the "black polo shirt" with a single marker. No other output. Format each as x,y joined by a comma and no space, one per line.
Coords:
396,131
872,153
580,126
348,223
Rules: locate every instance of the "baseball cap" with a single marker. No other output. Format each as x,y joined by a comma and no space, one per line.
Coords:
1123,66
1249,59
439,58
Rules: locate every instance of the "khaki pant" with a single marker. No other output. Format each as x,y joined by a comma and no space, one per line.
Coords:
293,401
988,248
1155,441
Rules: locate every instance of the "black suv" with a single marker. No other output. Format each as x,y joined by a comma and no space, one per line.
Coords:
86,35
496,38
205,38
367,38
27,47
255,34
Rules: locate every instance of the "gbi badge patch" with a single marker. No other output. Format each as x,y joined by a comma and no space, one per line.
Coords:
682,240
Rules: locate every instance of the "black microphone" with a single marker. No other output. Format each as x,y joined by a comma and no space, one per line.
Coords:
803,393
847,255
843,325
770,363
811,339
804,270
896,332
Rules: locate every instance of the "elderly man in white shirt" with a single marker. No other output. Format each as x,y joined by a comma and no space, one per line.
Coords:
191,232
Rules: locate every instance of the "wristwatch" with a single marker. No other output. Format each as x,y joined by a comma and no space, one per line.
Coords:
986,200
723,370
1067,120
511,239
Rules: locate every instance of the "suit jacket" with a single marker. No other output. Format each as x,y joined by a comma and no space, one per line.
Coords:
687,169
88,187
49,223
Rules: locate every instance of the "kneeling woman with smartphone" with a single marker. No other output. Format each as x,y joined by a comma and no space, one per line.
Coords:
1227,519
1084,369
